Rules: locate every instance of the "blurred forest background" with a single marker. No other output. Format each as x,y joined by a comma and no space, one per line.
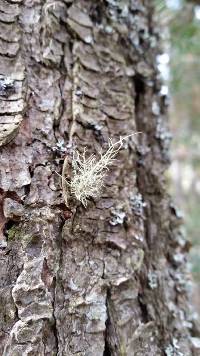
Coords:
180,68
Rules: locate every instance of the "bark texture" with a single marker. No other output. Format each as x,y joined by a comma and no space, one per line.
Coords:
109,279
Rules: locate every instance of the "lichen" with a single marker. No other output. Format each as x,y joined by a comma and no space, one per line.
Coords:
152,280
118,216
14,233
137,204
173,349
88,173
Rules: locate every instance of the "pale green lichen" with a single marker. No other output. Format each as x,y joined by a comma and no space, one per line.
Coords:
13,233
88,173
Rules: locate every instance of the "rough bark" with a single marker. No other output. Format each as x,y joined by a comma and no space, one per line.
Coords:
108,279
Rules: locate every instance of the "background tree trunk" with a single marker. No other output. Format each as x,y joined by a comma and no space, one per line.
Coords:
109,279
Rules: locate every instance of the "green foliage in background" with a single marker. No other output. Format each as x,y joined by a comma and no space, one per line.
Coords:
184,39
185,43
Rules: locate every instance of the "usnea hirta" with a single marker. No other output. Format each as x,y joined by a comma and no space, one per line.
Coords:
88,173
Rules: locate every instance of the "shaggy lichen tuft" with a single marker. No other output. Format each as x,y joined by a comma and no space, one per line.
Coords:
88,173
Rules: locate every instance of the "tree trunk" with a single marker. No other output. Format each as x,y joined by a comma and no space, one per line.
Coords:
108,279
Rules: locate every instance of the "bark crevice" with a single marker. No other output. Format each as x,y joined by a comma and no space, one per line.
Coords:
55,327
107,349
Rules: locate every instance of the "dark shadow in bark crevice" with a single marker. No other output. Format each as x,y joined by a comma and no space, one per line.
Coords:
107,349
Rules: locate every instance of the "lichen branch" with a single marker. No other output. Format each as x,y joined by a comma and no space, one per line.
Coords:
88,173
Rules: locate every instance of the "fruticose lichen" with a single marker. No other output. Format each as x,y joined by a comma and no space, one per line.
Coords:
88,173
